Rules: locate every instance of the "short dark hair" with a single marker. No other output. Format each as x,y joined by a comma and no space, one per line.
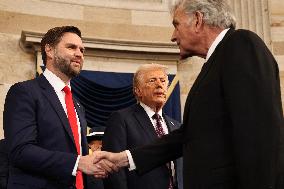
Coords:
53,37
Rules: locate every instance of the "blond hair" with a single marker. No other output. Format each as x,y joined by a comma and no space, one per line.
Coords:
139,74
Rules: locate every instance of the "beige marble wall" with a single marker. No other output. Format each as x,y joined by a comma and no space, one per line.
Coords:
277,36
15,66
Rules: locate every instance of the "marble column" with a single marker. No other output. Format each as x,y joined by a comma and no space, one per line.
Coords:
253,15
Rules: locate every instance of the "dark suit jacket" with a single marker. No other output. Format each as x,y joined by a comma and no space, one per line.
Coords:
232,119
42,151
3,164
94,183
130,128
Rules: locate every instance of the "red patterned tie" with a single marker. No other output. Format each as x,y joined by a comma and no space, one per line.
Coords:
74,127
160,132
159,129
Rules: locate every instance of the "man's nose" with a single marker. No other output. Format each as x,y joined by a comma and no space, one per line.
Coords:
159,83
173,38
78,53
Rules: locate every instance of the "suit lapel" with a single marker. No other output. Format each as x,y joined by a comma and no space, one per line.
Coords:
83,126
204,70
193,90
171,126
51,96
80,116
144,121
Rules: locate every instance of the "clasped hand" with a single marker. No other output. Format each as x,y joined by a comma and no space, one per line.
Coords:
102,163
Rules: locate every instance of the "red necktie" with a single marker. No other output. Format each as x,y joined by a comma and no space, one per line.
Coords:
74,127
160,132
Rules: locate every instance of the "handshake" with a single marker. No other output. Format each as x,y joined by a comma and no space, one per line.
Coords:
102,163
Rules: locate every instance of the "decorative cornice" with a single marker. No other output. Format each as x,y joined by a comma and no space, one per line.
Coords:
30,42
157,5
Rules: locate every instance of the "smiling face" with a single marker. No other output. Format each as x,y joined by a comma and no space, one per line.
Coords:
152,88
66,58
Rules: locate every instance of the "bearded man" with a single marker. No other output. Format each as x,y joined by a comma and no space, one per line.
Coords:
44,126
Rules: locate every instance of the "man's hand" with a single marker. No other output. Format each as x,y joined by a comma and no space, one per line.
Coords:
118,159
94,165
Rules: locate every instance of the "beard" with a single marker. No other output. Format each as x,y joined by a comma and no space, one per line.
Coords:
65,67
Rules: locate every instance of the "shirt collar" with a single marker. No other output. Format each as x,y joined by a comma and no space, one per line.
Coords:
149,111
215,43
54,80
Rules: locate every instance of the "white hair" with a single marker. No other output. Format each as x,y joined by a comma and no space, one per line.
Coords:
216,13
139,74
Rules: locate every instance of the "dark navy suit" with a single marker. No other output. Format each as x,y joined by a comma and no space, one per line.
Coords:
42,151
3,164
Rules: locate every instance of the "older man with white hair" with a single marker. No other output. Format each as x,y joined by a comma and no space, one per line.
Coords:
233,120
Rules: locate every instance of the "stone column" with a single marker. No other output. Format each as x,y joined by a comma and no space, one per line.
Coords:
253,15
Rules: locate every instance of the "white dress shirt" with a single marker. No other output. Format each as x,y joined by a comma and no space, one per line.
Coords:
215,43
58,86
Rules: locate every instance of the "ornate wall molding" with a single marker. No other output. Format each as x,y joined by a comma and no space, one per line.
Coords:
30,42
151,5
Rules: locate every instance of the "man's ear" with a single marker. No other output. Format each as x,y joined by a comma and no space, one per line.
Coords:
198,20
49,51
137,91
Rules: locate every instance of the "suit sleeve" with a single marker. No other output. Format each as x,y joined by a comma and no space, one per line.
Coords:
115,140
4,164
21,133
252,95
161,151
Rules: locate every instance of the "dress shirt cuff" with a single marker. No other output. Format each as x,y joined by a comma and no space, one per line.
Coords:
132,165
74,172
